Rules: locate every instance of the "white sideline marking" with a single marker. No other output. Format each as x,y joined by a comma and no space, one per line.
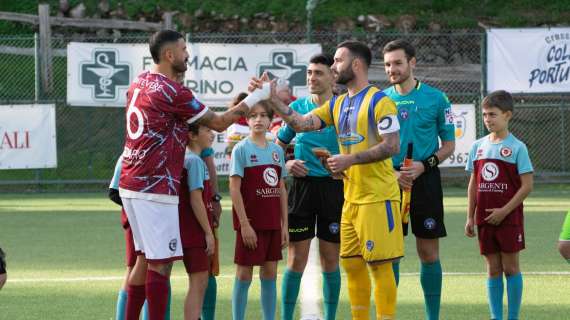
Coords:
223,276
311,284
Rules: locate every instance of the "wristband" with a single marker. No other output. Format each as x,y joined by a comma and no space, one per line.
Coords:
430,162
258,95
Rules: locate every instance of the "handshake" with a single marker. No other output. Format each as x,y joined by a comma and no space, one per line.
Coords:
259,89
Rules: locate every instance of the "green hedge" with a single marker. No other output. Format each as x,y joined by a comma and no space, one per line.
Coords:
449,13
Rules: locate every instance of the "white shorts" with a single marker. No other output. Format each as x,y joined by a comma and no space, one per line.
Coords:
155,227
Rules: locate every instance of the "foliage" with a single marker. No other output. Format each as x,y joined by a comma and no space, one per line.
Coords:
451,14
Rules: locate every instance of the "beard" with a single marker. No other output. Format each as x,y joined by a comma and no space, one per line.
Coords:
403,77
345,76
180,66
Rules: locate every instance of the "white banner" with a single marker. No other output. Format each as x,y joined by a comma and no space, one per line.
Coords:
528,60
221,160
99,74
465,134
27,136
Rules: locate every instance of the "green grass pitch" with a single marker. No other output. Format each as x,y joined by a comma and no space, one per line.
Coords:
65,261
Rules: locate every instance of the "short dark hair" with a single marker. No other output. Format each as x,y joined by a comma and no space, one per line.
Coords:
159,39
267,106
398,44
322,58
194,127
500,99
357,49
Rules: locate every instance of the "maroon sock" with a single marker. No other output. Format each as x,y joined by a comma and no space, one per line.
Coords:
156,294
135,301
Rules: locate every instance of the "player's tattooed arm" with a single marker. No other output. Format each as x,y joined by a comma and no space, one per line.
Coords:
389,147
221,122
297,121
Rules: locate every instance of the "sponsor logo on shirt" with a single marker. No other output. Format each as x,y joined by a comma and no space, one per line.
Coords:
506,152
479,153
270,177
350,138
369,245
490,171
448,116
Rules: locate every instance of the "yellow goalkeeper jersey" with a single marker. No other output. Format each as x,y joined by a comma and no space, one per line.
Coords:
360,121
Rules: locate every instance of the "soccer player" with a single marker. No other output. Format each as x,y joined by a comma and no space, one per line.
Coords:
424,113
501,178
210,296
259,198
158,112
564,242
3,273
196,219
366,122
314,197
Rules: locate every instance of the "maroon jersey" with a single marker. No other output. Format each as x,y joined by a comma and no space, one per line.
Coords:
261,170
497,168
158,113
194,176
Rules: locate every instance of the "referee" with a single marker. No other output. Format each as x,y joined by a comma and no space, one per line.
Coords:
425,115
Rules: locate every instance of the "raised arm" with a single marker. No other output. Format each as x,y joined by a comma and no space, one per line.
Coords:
297,121
221,122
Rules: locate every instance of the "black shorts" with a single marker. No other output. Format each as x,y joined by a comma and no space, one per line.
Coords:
2,262
426,209
315,200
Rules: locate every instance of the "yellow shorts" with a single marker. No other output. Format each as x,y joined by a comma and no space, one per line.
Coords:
372,231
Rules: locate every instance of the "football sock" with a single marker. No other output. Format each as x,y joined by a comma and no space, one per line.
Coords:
358,282
209,305
289,292
431,278
268,298
156,294
121,305
239,299
168,303
331,291
495,295
385,290
144,313
396,269
135,300
514,295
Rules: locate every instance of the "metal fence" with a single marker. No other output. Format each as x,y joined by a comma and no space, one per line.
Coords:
89,139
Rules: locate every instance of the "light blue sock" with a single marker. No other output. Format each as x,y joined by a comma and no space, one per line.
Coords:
268,298
396,269
331,291
514,295
431,278
144,312
239,299
209,305
495,296
121,305
289,293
